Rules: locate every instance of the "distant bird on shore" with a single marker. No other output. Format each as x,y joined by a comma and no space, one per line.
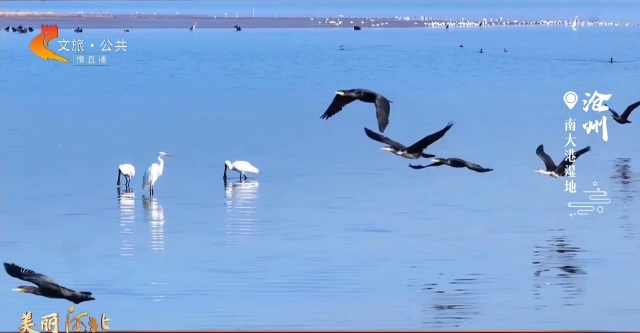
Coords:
78,29
623,119
355,27
344,97
505,50
46,286
611,60
240,167
481,51
454,163
461,45
13,29
30,29
193,28
341,48
153,173
238,28
128,171
557,171
7,28
414,151
126,30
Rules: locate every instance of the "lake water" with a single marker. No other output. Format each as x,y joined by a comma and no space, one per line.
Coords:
333,233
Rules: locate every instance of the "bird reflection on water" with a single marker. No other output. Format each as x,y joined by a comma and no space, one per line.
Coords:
449,304
154,215
557,265
126,205
625,180
240,209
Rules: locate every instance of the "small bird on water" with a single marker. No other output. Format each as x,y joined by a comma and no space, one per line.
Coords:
557,171
623,119
453,162
46,286
344,97
414,151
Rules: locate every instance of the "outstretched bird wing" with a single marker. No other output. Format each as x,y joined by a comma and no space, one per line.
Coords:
615,114
383,108
336,105
630,108
418,167
475,167
381,138
429,139
28,275
548,162
569,161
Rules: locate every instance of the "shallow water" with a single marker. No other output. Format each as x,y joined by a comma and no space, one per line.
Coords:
333,233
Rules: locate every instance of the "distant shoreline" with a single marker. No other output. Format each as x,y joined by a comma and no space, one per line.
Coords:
142,21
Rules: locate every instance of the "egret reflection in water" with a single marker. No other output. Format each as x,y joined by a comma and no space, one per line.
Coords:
240,209
557,266
154,215
126,205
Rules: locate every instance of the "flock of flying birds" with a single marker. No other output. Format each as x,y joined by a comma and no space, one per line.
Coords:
416,151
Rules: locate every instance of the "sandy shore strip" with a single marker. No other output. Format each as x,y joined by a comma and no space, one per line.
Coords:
132,21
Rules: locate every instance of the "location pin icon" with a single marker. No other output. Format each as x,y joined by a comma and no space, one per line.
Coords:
570,98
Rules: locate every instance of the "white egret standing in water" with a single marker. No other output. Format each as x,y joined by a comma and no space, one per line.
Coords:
128,171
153,173
239,166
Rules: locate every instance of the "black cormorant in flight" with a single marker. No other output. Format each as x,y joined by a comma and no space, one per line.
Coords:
622,119
557,171
46,286
414,151
452,162
344,97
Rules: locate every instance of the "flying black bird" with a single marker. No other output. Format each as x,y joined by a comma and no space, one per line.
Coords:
414,151
453,162
46,286
344,97
557,171
622,119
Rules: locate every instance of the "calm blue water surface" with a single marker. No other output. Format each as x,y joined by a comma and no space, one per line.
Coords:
333,233
611,10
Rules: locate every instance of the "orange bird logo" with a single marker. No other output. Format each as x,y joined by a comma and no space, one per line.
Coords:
40,44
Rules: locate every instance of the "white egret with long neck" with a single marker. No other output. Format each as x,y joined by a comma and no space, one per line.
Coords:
153,173
241,167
